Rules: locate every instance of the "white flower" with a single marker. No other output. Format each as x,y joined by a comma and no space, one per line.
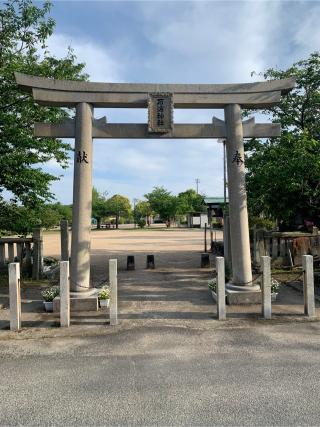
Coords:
104,293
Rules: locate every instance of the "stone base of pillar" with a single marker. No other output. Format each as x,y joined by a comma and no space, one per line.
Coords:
80,301
236,294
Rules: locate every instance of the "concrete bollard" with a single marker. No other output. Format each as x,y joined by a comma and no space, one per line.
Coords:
113,279
266,287
221,289
64,294
150,262
130,262
308,286
15,296
64,237
205,261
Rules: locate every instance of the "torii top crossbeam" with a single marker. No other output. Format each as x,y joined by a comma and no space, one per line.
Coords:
67,93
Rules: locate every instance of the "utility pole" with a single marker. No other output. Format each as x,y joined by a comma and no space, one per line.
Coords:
224,173
223,141
197,184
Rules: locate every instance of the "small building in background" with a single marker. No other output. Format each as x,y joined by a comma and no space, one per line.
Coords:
215,207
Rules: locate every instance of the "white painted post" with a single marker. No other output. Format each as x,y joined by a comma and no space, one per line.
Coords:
64,294
266,287
308,286
14,296
221,291
113,279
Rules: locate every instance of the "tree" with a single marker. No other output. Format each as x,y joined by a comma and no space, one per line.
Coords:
119,206
190,201
24,29
22,220
64,211
99,206
142,210
283,174
163,203
17,219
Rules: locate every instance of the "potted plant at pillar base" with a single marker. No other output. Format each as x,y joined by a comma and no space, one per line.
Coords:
275,285
104,297
48,296
212,285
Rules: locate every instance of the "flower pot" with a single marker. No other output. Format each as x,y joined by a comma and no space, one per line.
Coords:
214,295
104,302
274,296
48,305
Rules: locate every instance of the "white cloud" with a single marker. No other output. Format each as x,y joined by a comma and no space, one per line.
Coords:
211,41
307,34
100,65
199,42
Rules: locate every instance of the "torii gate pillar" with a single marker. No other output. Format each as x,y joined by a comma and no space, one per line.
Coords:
82,199
240,290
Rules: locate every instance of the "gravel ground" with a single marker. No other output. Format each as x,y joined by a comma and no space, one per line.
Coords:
169,361
165,375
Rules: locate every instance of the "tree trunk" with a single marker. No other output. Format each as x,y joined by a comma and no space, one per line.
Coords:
98,223
117,222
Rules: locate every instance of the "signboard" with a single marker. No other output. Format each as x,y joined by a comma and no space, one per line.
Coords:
160,112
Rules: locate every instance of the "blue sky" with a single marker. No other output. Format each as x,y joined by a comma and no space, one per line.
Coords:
174,42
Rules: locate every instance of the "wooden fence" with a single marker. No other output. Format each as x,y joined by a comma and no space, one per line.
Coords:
284,248
28,251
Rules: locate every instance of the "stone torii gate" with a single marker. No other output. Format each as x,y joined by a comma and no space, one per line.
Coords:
160,99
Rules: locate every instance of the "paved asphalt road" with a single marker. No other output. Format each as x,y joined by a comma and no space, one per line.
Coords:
253,374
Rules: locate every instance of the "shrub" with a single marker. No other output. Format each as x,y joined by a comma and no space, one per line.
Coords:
142,223
264,223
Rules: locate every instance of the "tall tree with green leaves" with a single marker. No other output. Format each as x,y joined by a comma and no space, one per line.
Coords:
24,30
99,206
283,174
190,201
163,203
142,210
119,206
